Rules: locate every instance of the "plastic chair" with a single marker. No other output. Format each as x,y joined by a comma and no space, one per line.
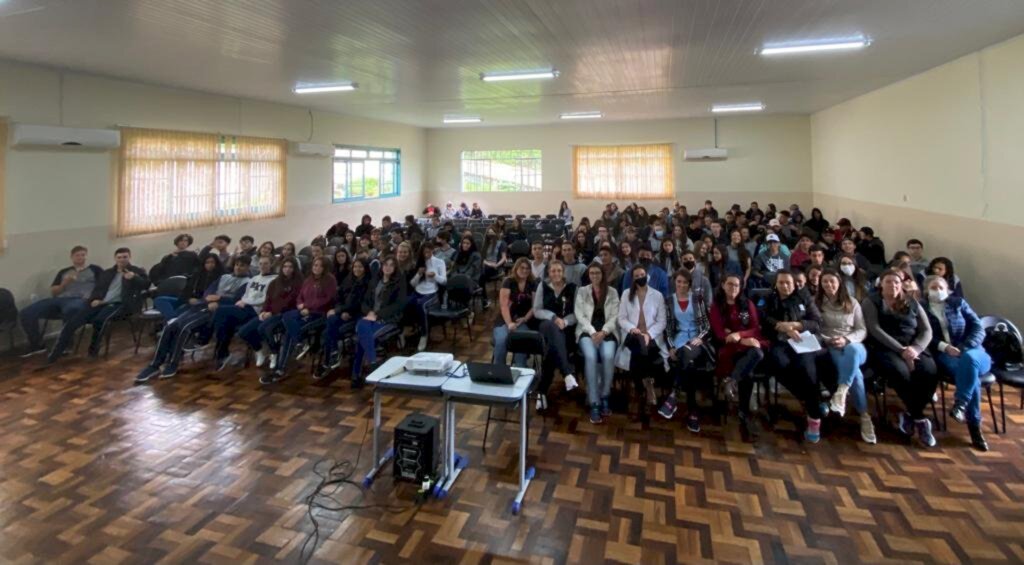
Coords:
1013,377
8,315
173,286
459,295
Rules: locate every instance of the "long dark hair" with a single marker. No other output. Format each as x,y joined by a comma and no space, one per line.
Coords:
842,296
292,281
721,302
203,277
673,258
633,286
602,286
463,257
950,275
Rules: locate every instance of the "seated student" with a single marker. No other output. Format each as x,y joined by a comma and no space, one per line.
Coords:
515,300
817,224
365,226
871,248
918,262
69,294
769,262
813,274
431,275
829,245
538,260
700,282
382,308
574,269
656,276
553,304
667,257
583,247
720,265
855,279
900,335
218,247
642,323
342,262
467,261
802,253
597,312
842,333
229,317
246,247
943,267
434,228
117,292
316,251
196,316
342,319
318,295
443,249
287,252
957,334
476,213
338,229
180,262
817,257
266,249
737,331
261,333
194,291
688,332
787,313
849,247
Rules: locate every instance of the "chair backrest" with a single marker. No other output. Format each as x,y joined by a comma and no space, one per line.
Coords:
172,286
519,249
8,308
459,289
336,241
535,216
991,322
307,251
529,342
551,216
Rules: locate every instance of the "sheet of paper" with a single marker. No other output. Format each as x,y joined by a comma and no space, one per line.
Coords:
807,344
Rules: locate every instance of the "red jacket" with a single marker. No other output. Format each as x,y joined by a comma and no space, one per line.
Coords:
281,296
318,296
723,326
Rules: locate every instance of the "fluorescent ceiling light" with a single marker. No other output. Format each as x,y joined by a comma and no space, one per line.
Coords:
726,108
315,88
581,115
519,75
462,119
791,48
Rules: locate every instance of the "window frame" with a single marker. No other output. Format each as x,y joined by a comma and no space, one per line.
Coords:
368,149
462,171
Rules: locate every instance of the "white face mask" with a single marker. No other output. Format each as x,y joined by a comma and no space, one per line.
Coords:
847,270
938,295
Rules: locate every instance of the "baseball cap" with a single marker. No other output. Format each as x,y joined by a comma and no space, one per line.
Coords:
772,237
773,223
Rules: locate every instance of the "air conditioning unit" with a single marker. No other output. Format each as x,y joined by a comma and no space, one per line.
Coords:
711,154
28,135
312,149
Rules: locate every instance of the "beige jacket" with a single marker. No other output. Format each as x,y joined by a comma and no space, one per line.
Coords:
584,310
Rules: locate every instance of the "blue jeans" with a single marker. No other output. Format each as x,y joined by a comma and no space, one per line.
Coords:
257,332
967,370
167,306
501,348
98,316
334,329
49,309
847,362
226,321
366,344
599,382
294,326
417,306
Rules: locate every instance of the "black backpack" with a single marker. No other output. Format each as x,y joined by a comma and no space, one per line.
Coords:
1003,346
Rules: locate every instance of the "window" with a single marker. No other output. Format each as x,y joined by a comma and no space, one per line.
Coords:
173,180
623,171
364,173
515,170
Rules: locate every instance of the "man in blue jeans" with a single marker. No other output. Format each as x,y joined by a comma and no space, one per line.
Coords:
69,293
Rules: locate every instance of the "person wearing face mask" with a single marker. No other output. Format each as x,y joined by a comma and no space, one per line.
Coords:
700,282
658,234
642,323
957,335
688,336
854,278
788,313
656,276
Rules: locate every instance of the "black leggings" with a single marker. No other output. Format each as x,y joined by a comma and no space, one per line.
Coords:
643,358
744,363
556,354
915,387
682,370
798,372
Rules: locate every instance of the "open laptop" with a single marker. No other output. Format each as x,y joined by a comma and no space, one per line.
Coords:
491,374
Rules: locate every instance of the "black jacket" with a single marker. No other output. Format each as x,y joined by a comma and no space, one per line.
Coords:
797,307
183,264
132,291
392,300
352,293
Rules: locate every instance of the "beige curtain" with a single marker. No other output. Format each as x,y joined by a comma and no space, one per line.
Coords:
3,193
176,180
623,171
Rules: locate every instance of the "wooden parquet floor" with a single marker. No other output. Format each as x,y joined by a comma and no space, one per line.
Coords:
214,469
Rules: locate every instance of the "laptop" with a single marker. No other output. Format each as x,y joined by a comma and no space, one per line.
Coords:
491,374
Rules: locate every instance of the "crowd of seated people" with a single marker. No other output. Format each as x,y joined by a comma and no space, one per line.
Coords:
669,297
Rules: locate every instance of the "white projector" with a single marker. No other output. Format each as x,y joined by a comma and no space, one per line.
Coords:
430,362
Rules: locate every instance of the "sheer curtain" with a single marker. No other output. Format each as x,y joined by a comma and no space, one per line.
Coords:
623,171
175,180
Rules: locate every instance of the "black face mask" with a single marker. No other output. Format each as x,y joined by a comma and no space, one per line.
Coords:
641,281
645,261
689,264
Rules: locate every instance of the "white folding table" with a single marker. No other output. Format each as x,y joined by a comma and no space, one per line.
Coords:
392,378
460,389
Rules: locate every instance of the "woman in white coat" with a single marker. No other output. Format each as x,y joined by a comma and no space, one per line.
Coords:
642,325
597,331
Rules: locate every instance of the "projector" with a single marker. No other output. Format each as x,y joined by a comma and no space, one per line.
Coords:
432,363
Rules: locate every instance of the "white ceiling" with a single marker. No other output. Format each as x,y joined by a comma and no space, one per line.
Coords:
416,60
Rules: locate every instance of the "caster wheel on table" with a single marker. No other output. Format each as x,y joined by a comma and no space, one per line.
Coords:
461,462
368,482
530,472
516,507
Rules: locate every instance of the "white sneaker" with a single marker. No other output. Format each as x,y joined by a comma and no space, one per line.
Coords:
838,402
422,346
867,429
303,351
570,383
273,360
261,358
542,402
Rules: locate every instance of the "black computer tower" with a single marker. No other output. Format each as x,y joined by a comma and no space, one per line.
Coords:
417,448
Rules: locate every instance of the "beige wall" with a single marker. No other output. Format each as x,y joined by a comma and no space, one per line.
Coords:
769,160
937,156
56,199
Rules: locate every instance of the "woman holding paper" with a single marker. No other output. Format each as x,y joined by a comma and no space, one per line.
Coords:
842,333
790,318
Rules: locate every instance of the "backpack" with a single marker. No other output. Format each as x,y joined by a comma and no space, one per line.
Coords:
1003,346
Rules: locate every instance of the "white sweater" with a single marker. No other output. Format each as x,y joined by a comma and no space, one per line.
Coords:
427,285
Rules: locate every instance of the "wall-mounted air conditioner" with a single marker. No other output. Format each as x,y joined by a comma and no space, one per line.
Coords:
312,149
28,135
710,154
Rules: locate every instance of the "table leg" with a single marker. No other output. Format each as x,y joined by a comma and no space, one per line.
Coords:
378,461
454,467
525,475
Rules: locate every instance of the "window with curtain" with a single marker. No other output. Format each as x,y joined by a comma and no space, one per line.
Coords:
3,175
174,180
366,173
512,170
623,171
